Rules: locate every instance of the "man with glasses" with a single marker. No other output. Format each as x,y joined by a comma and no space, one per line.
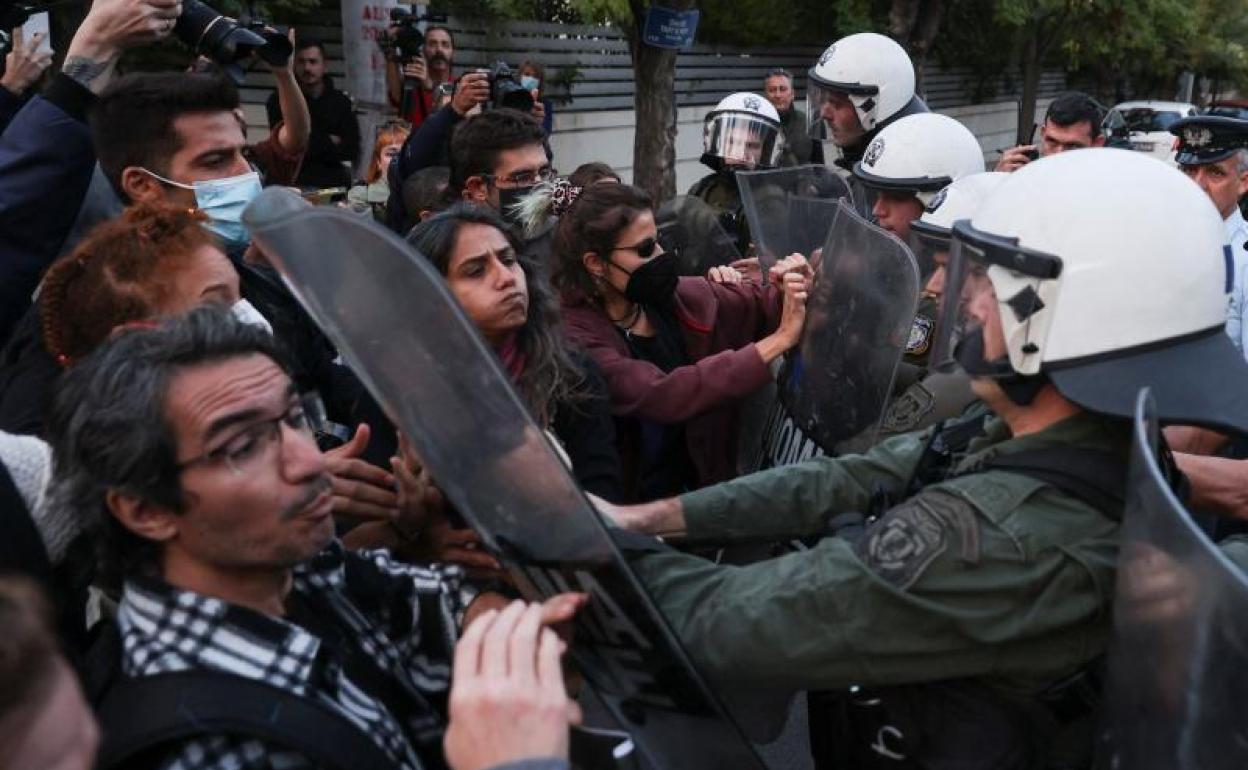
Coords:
190,448
497,158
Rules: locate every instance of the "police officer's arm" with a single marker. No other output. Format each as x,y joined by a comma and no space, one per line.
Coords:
934,590
790,501
1217,483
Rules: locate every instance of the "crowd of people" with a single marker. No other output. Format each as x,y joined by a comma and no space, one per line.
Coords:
199,494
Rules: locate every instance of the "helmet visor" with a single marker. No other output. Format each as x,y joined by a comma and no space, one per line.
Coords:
931,250
965,294
743,140
819,95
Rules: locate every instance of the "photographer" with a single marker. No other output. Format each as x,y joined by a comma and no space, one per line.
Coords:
23,67
426,69
334,144
46,156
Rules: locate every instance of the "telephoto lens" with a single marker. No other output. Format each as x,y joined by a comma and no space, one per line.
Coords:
218,37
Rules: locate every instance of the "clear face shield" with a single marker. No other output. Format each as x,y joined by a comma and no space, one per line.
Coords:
839,96
969,331
743,141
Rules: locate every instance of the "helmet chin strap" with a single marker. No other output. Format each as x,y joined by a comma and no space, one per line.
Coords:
1022,389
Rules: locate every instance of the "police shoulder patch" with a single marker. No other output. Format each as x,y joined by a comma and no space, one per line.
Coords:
902,544
920,336
874,152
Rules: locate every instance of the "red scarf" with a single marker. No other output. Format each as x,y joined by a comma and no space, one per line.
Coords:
512,357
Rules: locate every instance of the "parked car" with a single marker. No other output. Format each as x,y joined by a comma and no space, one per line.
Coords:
1148,125
1229,108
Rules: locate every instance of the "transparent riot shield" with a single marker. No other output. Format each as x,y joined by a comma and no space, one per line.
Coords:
691,229
790,210
1178,661
836,383
389,312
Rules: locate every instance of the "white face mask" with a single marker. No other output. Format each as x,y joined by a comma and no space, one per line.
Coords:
245,312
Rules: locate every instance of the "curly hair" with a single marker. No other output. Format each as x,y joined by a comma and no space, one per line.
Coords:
550,376
120,273
593,223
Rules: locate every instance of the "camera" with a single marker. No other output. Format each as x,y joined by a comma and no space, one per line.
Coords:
227,42
407,42
505,88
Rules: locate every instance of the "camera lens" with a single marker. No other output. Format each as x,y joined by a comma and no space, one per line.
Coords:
218,37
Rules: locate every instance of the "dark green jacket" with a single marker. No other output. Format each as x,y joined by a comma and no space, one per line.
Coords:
994,576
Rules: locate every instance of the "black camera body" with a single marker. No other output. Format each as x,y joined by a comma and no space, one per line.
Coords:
227,42
406,43
505,88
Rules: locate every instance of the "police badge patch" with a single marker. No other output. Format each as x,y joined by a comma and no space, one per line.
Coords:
920,336
752,103
874,152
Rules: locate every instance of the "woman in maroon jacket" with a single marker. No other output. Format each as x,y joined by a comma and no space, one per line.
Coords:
679,354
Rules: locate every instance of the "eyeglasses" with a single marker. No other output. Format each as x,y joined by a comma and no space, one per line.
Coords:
254,446
645,249
523,178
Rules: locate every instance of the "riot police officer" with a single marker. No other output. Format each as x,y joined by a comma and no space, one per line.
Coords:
981,583
860,84
743,132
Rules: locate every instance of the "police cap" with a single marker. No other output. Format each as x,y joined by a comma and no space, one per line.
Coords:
1207,139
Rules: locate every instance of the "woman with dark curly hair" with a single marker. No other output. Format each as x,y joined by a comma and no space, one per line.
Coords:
508,299
680,354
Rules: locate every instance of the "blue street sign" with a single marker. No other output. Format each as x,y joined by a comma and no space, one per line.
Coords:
666,28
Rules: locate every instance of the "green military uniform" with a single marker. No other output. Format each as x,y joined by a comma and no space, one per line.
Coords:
719,190
993,576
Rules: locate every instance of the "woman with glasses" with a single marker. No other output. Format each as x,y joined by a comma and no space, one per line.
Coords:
679,354
503,292
373,192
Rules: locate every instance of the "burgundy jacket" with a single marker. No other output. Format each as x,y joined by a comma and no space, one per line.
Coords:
720,322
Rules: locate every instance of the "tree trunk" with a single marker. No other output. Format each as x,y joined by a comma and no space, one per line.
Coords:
654,140
925,30
1031,85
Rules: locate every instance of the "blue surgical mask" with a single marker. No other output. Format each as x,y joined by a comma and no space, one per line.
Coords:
223,201
530,83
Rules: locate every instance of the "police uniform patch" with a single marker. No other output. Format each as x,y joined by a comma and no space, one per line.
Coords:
920,336
909,409
874,152
904,542
752,103
1197,136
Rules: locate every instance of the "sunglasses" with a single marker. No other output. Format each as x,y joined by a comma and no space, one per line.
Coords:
645,249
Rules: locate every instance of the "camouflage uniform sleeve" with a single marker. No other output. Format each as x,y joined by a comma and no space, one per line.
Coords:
934,590
796,500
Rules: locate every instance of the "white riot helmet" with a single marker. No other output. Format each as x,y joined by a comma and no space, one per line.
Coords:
1108,273
920,154
931,233
743,130
873,70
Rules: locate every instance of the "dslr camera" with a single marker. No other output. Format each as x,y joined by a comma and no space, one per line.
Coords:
505,88
227,42
407,42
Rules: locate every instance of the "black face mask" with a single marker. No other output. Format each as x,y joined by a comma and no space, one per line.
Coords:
1022,389
654,282
507,198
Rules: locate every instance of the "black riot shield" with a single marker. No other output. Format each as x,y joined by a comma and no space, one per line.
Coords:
391,316
691,229
836,383
790,210
1178,661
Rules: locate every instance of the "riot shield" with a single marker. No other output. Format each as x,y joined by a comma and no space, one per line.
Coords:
691,229
1178,661
790,210
391,316
836,383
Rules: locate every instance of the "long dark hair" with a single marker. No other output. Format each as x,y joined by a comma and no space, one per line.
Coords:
551,377
593,223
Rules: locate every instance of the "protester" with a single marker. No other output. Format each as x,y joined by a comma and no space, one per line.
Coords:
592,173
422,78
533,79
44,719
798,146
279,156
371,196
23,67
951,594
424,194
1072,122
679,354
334,143
506,296
46,154
189,448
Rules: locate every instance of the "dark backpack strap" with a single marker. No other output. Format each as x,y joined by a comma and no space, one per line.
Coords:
139,716
1092,476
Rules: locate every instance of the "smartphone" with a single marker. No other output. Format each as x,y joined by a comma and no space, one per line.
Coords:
38,23
1034,152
